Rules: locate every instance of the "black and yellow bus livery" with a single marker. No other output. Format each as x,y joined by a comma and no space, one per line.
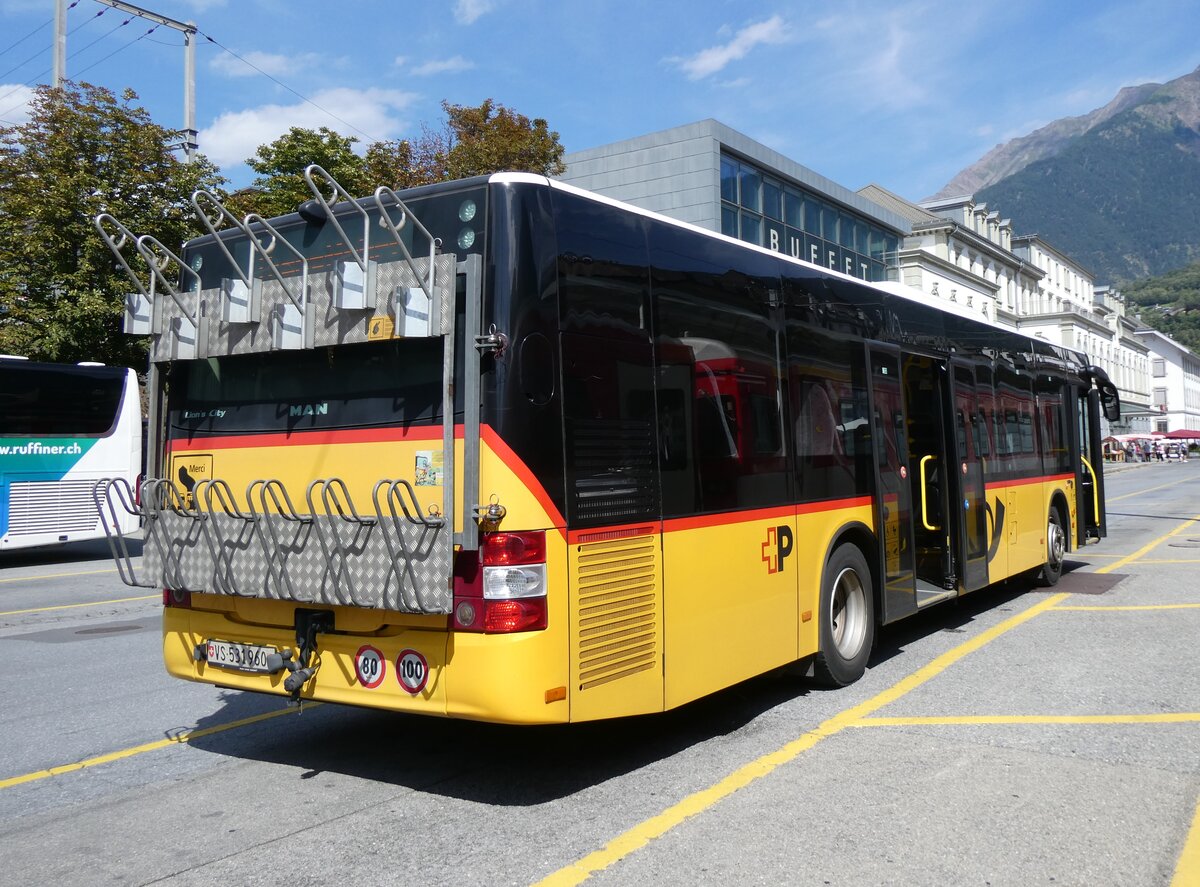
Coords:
530,455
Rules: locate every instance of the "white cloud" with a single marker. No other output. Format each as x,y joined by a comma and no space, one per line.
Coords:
445,66
236,135
14,103
467,11
709,61
275,64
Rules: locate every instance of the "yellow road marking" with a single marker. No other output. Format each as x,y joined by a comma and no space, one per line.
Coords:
1147,560
1187,869
1077,607
1173,483
643,833
1148,547
58,575
1190,717
181,739
119,600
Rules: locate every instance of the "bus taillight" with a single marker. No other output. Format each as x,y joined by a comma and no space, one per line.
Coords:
506,592
173,597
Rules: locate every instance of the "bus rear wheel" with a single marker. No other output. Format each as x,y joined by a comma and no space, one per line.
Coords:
847,618
1056,550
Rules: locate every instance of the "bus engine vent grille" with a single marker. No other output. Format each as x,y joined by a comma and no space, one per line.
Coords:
615,473
618,609
36,507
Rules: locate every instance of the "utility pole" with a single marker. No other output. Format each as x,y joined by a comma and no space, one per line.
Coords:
60,42
189,63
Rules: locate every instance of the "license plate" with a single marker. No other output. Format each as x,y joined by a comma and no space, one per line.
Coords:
240,657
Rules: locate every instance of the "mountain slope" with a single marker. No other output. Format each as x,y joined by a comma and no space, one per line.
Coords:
1121,197
1041,144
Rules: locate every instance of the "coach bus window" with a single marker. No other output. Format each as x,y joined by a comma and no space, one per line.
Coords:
714,327
602,269
826,380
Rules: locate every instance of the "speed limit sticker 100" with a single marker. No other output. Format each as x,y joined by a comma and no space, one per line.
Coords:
370,666
412,671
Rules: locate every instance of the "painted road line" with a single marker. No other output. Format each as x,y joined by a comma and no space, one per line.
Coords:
1189,717
1120,608
1149,546
1173,483
181,739
643,833
1187,869
119,600
58,575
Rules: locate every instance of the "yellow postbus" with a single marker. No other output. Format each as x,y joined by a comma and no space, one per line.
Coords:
507,450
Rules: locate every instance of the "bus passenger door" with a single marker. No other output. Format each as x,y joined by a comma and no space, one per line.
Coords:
893,494
1090,483
926,398
971,502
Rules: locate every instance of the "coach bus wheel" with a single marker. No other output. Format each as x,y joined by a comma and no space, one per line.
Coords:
847,627
1056,549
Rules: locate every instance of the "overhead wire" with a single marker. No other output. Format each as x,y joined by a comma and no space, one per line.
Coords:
13,46
120,49
283,85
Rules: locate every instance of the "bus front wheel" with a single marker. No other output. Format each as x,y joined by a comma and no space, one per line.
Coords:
847,626
1056,550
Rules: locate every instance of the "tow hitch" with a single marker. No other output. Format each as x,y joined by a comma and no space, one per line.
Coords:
309,623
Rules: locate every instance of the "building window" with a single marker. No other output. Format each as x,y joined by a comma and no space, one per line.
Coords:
1160,425
1160,398
789,219
1160,367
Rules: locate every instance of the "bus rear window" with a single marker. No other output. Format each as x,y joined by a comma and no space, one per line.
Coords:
37,400
360,386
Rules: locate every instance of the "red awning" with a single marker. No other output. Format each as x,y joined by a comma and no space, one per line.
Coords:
1183,434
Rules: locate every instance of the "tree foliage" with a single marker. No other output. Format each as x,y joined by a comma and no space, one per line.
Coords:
83,151
472,141
280,186
1170,303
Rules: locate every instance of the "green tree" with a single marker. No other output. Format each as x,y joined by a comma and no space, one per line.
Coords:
472,141
84,151
492,138
280,186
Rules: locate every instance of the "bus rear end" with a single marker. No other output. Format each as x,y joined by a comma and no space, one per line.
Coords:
315,514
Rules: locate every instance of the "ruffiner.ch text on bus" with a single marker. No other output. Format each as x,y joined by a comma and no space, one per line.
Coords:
506,450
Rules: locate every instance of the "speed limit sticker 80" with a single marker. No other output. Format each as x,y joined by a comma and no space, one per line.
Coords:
412,671
370,666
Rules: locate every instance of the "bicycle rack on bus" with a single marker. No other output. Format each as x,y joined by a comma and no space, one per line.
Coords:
273,493
401,539
141,314
290,328
404,550
111,494
354,285
189,331
241,297
220,508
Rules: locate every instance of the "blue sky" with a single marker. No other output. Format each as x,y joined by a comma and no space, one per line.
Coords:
903,93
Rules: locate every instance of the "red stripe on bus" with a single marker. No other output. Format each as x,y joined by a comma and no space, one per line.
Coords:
783,511
376,435
1026,481
514,464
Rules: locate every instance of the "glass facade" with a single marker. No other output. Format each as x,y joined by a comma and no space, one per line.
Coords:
786,218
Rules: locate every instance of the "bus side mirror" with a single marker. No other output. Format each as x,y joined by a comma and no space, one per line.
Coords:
1110,401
